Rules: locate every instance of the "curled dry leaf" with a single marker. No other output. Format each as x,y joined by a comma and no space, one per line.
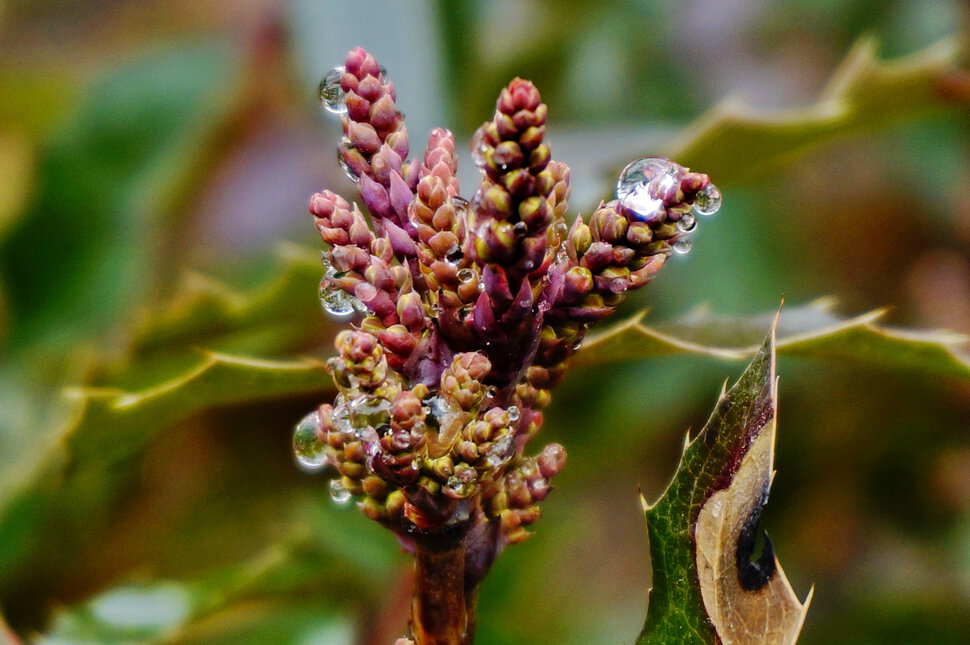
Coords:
703,529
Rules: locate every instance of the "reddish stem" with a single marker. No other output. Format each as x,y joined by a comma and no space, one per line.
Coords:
439,613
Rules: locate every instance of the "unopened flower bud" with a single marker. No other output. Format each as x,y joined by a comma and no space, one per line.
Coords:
551,460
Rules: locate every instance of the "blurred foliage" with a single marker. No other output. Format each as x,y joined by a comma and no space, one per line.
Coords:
151,153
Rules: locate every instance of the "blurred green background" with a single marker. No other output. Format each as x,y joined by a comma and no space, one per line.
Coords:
155,162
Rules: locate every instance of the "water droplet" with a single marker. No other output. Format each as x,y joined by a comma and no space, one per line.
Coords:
642,171
351,175
466,275
558,235
514,414
499,452
335,301
645,185
456,488
708,201
307,444
682,246
369,412
687,223
520,229
441,413
332,96
454,255
577,344
538,484
478,152
341,421
338,492
460,203
561,255
643,205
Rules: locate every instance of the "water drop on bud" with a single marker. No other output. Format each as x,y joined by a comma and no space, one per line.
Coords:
466,275
520,229
682,246
351,175
514,414
332,96
454,255
646,186
336,301
456,488
307,445
708,201
686,223
338,493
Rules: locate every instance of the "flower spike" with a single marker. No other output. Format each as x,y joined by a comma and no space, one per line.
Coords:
471,311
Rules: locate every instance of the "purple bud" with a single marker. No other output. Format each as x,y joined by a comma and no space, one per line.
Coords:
400,195
411,311
363,137
375,196
496,283
483,314
401,242
383,113
357,106
370,88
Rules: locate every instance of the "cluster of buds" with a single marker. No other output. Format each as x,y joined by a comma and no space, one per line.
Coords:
470,309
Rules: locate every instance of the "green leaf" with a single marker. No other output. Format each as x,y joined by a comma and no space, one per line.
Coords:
110,176
702,530
74,460
71,492
275,597
811,330
276,317
734,142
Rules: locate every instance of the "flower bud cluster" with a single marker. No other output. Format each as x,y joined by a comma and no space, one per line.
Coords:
421,458
517,210
472,309
618,250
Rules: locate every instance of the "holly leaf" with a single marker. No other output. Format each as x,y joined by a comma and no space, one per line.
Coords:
812,330
278,596
130,151
734,141
70,491
703,529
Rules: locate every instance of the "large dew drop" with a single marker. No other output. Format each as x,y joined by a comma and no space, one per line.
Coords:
645,184
307,443
370,412
708,201
336,301
332,96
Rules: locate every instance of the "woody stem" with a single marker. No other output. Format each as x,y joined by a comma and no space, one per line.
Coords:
440,614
